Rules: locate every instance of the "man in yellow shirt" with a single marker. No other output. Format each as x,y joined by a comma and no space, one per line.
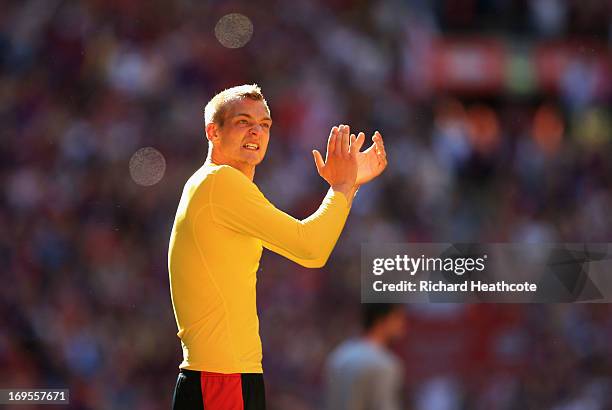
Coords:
221,226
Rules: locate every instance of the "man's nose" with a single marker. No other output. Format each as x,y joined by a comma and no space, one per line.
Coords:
256,129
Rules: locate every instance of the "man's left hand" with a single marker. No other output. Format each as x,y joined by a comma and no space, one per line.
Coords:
371,162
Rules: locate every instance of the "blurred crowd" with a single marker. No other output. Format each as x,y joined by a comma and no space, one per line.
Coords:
84,85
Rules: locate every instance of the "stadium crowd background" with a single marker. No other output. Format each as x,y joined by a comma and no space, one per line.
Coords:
84,85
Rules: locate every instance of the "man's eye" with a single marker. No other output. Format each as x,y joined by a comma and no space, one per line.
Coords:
243,122
265,125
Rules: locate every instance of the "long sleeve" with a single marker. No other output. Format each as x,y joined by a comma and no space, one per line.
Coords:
239,205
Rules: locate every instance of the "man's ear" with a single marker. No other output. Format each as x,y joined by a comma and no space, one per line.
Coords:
211,132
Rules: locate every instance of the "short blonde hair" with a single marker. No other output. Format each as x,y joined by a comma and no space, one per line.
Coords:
214,112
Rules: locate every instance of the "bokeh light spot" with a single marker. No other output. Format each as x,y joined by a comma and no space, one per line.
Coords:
234,30
147,166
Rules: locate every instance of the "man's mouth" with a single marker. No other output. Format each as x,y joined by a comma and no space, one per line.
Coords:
251,146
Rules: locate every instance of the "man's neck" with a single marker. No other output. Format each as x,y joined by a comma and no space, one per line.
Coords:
246,169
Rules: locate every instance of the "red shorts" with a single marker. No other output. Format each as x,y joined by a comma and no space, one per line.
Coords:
217,391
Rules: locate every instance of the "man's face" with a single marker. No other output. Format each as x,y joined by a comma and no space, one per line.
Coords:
395,325
243,138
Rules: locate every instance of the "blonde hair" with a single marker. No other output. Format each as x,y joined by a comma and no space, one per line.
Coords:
214,112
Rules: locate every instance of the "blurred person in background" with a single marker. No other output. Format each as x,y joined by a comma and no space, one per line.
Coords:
363,373
222,223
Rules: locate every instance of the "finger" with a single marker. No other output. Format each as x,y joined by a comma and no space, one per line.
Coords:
382,154
358,143
338,147
378,141
318,159
332,142
377,137
345,140
351,142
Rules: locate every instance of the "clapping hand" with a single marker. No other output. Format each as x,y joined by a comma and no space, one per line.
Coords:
340,166
371,162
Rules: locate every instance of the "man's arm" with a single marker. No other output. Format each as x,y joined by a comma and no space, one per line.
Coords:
319,256
308,263
237,204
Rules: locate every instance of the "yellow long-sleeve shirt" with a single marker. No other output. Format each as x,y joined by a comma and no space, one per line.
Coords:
221,224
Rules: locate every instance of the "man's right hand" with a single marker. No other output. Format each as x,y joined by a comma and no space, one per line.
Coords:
340,166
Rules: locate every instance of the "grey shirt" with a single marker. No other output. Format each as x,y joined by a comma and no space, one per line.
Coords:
361,375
